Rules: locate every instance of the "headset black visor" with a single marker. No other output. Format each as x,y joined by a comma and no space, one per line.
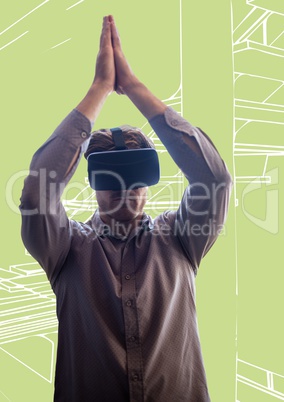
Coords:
123,168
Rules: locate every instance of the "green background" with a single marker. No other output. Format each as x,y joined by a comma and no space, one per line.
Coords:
175,47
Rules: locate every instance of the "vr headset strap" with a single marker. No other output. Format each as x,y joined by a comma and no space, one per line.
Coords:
118,139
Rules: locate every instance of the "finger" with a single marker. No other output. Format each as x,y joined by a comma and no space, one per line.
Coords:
102,33
106,33
114,35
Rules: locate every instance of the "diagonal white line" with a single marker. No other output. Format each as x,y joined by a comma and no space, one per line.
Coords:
247,16
61,43
46,379
260,387
265,100
242,101
5,396
258,121
14,40
253,27
259,368
259,76
265,9
24,16
78,2
276,38
261,109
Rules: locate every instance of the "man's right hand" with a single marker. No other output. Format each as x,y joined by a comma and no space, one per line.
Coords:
105,68
104,80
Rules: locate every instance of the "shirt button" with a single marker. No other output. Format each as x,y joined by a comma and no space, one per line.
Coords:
128,303
83,134
174,122
127,277
135,377
132,339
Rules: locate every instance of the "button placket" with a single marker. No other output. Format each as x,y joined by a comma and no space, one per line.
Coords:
130,313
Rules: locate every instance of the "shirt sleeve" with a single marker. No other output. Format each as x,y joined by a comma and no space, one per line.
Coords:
46,230
203,208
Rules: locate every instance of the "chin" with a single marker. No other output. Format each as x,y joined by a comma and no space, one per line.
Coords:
125,215
125,218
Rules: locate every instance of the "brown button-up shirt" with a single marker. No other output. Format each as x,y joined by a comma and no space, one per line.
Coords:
126,306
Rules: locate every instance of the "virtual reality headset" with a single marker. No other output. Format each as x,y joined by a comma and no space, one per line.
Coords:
123,168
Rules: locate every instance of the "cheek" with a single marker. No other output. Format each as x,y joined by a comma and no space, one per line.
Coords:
103,205
103,200
142,199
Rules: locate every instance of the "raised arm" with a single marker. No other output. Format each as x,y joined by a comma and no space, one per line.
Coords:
104,80
127,83
46,230
203,209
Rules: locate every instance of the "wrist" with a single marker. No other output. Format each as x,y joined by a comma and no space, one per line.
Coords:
101,87
148,104
92,103
132,85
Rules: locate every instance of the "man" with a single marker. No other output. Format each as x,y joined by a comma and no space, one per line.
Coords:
125,283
